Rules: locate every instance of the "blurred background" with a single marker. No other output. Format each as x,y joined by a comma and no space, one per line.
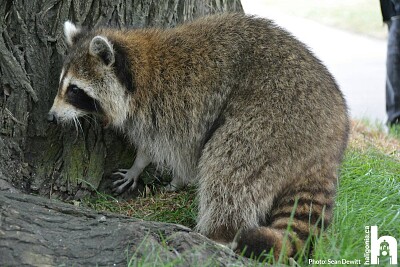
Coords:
348,36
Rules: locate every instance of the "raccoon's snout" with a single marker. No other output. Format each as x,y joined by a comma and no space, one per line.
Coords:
51,117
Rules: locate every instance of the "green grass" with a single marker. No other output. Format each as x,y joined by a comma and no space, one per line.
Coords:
368,194
394,131
361,16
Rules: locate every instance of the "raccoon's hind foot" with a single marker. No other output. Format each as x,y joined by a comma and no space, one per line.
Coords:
175,185
128,177
170,188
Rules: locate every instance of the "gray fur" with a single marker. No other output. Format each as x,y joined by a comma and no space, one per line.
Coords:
234,105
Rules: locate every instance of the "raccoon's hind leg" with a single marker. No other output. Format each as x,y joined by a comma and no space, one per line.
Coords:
231,194
252,188
132,174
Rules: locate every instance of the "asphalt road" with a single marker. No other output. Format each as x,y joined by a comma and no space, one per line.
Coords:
357,62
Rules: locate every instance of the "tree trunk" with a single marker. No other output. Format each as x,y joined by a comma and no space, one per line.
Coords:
50,160
35,231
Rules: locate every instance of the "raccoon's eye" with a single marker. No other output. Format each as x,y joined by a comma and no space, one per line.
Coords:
78,98
72,89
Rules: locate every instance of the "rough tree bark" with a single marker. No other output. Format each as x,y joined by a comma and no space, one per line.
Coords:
35,231
48,160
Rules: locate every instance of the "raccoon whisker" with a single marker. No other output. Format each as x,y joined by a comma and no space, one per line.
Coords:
76,127
94,119
89,118
80,126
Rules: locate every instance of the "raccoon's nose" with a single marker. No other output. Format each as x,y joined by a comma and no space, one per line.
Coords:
51,117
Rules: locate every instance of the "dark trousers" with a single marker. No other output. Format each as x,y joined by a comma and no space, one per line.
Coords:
393,72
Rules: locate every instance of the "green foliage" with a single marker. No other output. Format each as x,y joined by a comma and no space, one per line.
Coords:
368,194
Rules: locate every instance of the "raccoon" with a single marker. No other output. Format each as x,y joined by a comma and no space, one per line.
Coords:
232,104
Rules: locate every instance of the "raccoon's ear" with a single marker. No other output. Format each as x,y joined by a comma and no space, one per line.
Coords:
101,47
71,32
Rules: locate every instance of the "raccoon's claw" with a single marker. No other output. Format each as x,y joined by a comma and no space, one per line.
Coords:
121,173
122,188
120,185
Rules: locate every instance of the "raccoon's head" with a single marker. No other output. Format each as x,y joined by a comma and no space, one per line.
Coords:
90,81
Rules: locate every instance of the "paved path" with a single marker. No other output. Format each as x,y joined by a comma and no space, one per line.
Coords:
356,61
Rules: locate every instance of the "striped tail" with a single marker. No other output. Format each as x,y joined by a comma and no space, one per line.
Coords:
295,220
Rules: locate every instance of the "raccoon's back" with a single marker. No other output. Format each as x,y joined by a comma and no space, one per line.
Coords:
257,56
277,85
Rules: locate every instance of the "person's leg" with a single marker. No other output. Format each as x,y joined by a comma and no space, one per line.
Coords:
393,71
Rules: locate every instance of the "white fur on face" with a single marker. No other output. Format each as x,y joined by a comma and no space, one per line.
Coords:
107,93
70,79
64,111
116,106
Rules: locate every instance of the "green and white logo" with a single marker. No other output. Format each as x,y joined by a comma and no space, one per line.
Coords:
379,250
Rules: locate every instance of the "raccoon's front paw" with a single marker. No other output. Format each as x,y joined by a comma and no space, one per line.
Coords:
121,185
